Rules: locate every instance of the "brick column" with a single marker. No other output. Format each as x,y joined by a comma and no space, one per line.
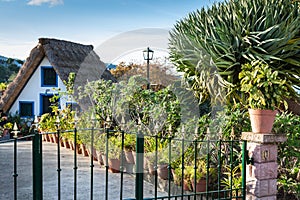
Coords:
261,176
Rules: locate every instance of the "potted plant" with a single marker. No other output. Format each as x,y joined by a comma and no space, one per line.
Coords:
162,165
198,176
113,155
232,180
266,92
187,184
177,175
100,147
129,146
114,162
6,128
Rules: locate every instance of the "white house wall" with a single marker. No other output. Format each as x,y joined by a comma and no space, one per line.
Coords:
33,90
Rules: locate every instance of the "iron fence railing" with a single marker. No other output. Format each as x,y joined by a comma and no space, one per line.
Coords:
223,169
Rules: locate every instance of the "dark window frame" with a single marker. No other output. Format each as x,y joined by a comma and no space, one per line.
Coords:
74,105
42,104
32,108
43,70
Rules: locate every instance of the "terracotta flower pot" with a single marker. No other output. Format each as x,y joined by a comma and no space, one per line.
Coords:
52,138
95,156
200,186
114,165
55,139
151,168
84,150
129,157
162,171
99,158
104,159
71,145
66,143
177,179
44,138
186,185
62,144
134,156
47,136
262,120
88,150
78,149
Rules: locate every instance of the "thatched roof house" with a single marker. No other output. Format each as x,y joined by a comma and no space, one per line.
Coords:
65,57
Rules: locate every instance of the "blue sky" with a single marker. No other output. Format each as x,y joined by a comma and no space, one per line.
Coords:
83,21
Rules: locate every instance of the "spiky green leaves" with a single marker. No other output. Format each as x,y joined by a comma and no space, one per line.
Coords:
264,87
236,32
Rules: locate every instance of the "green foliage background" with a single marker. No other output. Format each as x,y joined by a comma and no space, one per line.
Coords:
222,38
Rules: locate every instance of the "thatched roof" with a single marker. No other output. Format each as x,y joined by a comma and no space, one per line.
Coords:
65,57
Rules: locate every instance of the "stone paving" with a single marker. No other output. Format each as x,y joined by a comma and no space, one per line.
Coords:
67,178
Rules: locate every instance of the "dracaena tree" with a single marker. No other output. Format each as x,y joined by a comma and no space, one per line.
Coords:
220,39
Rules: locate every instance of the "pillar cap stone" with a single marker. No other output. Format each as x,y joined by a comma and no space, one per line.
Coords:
264,138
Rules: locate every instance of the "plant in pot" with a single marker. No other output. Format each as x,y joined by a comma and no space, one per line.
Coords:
232,180
85,138
198,176
188,171
266,92
6,128
114,162
162,165
177,175
114,153
129,146
100,147
150,158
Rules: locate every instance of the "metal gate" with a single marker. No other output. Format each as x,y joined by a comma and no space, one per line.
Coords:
221,165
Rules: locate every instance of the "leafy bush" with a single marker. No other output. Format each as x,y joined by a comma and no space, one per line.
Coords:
289,154
228,34
23,124
265,88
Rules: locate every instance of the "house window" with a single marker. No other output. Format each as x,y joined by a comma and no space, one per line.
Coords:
46,103
49,77
73,106
26,109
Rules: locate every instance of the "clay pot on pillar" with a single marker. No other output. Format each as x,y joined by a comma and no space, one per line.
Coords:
266,91
262,120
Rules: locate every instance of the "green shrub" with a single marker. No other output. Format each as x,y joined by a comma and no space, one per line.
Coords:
289,153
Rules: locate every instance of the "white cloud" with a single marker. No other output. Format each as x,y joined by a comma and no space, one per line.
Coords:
16,49
40,2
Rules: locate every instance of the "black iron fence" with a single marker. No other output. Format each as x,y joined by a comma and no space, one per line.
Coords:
182,168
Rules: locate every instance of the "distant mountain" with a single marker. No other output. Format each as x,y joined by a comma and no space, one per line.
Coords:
3,58
9,67
4,61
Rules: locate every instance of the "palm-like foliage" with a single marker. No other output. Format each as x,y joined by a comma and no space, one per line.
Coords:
234,33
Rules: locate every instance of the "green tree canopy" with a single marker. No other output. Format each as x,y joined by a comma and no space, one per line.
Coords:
227,35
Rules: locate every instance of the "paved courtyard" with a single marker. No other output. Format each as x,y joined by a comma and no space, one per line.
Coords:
67,178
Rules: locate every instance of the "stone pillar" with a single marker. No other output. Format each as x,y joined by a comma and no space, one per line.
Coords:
261,175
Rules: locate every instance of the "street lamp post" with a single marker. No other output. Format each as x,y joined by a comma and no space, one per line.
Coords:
148,55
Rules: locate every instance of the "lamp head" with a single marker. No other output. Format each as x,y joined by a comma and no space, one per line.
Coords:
148,54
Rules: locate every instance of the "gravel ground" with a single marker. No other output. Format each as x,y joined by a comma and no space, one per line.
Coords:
67,179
